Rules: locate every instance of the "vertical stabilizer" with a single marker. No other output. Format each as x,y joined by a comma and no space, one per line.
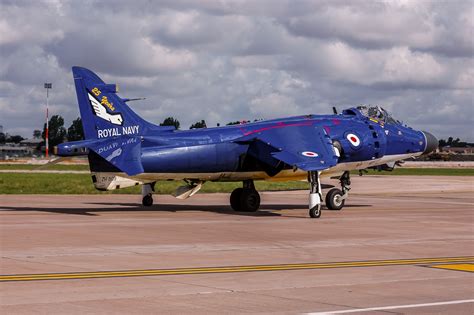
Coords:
104,114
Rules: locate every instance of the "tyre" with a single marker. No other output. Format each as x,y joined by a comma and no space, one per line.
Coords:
249,200
235,199
315,212
334,199
147,201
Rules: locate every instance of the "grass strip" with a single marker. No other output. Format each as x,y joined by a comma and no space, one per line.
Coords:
24,183
33,183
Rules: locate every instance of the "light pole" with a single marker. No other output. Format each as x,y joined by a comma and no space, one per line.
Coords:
47,86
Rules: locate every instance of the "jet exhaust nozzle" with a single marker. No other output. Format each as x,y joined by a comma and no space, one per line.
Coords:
431,143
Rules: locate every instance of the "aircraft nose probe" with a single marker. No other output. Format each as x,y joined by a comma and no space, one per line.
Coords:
431,142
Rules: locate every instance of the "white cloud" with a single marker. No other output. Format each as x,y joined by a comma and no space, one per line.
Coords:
273,105
402,65
437,26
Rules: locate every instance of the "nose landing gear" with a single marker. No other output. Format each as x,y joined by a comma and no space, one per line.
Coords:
315,196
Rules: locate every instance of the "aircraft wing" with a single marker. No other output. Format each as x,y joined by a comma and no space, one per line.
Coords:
307,147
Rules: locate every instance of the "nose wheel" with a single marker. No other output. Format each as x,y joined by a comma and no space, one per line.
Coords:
315,212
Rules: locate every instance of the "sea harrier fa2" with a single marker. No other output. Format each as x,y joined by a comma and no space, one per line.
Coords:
125,150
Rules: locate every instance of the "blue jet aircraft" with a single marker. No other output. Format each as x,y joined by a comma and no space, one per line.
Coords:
125,150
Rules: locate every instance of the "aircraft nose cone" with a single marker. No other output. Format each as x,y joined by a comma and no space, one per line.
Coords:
431,142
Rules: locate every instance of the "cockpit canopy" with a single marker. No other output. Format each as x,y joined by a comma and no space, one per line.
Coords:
378,113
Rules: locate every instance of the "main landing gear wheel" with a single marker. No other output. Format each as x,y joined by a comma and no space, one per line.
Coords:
334,200
147,201
249,200
245,199
147,194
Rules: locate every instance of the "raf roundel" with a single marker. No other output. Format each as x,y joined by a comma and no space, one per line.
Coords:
353,139
309,154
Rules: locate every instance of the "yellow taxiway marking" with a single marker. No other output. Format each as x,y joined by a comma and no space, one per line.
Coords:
458,267
228,269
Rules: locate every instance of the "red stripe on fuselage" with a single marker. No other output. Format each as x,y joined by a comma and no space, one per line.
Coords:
278,125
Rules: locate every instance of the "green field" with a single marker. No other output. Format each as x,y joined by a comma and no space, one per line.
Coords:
34,183
23,183
56,167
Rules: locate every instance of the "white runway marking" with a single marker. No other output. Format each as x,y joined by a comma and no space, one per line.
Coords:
393,307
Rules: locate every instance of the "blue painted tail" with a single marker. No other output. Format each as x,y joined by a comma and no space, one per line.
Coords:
111,129
104,114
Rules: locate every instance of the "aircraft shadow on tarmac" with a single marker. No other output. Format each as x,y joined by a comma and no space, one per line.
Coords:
265,210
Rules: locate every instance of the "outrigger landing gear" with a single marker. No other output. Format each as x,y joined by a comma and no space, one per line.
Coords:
245,199
147,194
335,198
314,194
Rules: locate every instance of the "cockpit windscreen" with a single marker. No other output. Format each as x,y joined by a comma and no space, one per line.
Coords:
377,113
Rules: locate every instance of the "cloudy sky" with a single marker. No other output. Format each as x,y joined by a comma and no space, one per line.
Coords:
231,60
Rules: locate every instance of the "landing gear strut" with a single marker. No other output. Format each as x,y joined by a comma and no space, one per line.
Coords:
335,198
245,199
314,194
147,194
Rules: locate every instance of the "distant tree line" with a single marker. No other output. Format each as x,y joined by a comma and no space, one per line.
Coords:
5,137
199,124
171,121
59,134
451,142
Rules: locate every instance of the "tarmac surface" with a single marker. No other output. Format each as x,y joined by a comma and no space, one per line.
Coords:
402,244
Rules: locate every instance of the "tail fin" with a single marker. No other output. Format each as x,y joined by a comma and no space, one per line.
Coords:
112,130
104,114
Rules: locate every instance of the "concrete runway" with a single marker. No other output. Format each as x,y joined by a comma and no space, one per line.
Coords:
403,244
